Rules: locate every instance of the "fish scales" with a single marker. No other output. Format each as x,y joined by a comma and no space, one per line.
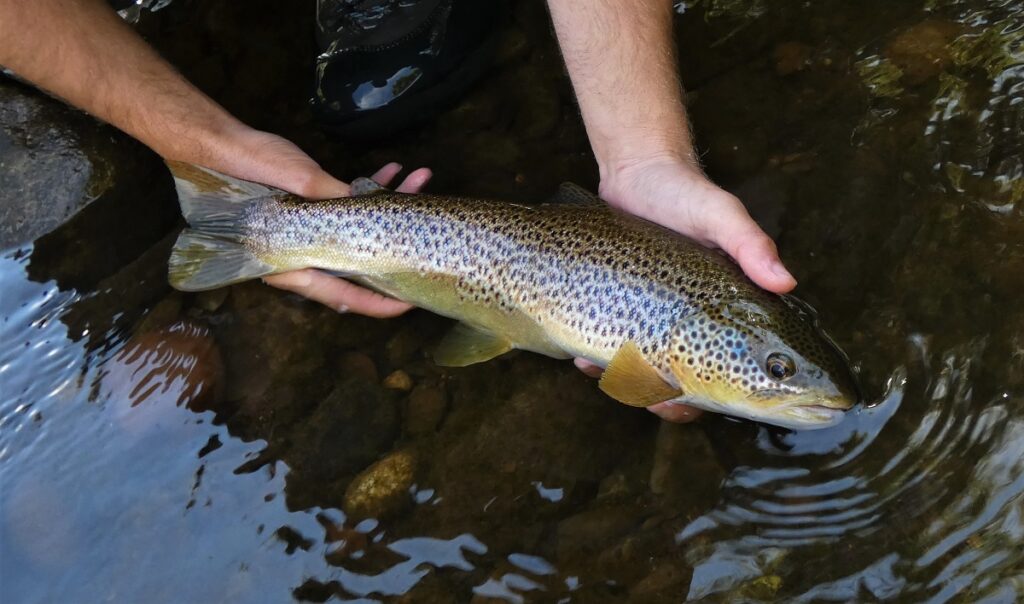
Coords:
591,275
669,319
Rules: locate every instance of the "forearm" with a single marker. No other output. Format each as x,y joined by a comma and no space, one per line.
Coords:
80,51
621,59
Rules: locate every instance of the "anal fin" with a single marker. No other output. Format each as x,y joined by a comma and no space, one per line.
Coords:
631,380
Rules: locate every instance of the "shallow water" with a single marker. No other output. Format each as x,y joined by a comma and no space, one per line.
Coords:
201,448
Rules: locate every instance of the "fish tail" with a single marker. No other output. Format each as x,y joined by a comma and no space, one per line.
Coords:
212,252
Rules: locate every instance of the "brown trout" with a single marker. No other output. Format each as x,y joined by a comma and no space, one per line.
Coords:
668,319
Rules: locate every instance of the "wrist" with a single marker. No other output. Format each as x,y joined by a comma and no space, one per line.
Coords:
625,154
626,168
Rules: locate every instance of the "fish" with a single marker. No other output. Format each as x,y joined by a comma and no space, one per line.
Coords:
667,319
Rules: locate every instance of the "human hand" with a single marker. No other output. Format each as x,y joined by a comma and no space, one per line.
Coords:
677,195
270,159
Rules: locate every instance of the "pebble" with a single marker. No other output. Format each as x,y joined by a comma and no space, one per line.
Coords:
398,380
382,489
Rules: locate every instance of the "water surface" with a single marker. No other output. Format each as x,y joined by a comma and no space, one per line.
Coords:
175,448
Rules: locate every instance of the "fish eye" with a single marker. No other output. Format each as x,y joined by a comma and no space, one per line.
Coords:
780,366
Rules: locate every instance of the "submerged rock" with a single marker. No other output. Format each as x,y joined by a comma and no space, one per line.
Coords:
382,489
54,162
426,408
173,366
359,365
591,530
923,50
349,429
685,470
670,575
398,380
791,57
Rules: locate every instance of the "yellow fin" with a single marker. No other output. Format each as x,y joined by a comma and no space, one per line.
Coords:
630,379
464,345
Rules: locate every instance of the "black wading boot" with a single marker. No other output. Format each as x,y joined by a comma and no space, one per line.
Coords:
386,64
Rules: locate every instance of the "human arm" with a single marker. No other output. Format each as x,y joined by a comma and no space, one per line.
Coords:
83,53
621,59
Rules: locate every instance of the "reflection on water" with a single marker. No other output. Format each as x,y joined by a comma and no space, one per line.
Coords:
267,449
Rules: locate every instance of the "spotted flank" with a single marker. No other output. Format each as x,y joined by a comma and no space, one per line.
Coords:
669,319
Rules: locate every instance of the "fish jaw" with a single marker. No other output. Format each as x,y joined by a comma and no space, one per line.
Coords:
795,417
804,413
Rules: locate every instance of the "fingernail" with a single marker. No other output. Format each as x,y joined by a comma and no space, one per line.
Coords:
342,308
780,271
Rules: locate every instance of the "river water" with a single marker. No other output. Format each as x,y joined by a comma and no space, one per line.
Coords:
177,448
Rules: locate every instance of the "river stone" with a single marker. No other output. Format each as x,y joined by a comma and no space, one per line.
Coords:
45,173
382,489
358,364
591,530
923,50
685,469
398,380
349,429
426,408
54,162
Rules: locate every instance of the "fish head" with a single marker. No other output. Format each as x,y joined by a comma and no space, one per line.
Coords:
765,359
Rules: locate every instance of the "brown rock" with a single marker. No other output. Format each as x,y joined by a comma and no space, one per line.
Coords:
664,576
382,489
357,364
685,467
791,57
398,380
427,405
402,346
173,366
212,299
591,530
923,50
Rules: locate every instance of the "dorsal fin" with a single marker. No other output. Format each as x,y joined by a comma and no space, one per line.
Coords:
366,186
573,193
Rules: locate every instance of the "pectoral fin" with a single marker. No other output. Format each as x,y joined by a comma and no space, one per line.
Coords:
630,379
464,345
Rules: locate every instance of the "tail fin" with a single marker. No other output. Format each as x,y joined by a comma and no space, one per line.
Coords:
213,253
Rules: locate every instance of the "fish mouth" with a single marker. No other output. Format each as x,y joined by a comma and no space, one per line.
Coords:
810,413
818,414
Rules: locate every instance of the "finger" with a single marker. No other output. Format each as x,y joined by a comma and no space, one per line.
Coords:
758,257
415,181
675,413
322,185
735,231
337,293
588,368
386,174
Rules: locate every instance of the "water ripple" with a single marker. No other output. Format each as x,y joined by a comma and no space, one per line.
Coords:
954,537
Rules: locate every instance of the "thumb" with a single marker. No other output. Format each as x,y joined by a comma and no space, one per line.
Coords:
321,185
759,258
735,231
